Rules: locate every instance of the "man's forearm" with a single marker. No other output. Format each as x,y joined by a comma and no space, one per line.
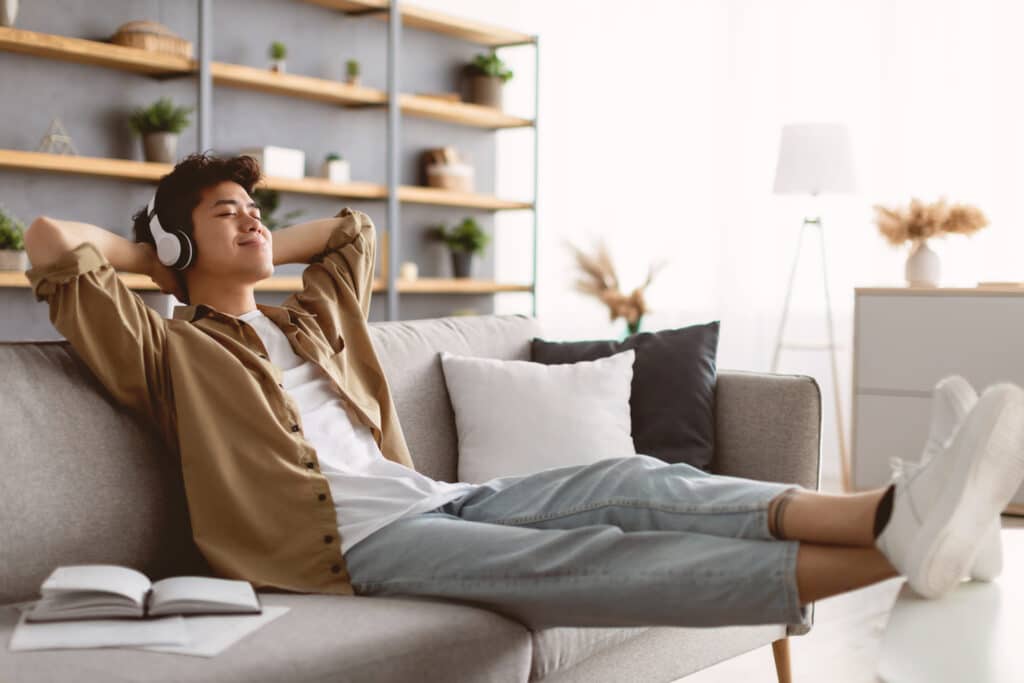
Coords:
47,239
301,242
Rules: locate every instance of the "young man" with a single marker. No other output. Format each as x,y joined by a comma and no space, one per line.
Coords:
298,476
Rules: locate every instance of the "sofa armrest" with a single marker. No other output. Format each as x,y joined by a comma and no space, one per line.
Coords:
768,427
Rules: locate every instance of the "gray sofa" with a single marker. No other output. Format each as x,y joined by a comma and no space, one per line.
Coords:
81,482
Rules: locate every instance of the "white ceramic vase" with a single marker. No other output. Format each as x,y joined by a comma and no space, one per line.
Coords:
923,267
8,12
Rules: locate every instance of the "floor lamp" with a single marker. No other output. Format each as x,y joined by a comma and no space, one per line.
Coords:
815,158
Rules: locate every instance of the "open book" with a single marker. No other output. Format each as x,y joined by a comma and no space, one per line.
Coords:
96,591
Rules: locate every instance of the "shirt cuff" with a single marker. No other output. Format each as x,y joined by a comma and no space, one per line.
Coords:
82,259
347,230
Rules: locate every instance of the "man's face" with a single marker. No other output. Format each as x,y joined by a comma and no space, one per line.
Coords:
230,239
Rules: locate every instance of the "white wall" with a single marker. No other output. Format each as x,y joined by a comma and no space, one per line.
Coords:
659,130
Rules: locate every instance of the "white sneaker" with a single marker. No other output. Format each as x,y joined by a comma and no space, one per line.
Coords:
941,511
952,398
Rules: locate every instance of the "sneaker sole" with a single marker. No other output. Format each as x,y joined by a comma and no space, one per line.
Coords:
991,450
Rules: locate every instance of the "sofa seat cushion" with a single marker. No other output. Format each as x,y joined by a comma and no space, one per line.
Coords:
321,638
565,646
648,653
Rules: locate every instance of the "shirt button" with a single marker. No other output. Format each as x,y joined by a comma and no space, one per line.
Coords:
335,568
295,428
322,496
328,538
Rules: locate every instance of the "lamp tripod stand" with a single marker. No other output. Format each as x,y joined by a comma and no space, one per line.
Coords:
831,347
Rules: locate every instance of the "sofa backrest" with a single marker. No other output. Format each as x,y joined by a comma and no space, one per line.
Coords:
82,482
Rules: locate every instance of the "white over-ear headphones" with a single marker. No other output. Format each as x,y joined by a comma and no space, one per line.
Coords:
175,248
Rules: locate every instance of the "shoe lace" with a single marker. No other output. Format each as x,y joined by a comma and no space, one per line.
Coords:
903,469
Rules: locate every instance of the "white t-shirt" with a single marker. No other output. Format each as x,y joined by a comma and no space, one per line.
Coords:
369,491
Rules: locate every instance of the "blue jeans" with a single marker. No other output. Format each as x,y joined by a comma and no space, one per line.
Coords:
628,541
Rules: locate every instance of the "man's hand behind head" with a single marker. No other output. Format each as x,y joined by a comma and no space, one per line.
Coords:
165,277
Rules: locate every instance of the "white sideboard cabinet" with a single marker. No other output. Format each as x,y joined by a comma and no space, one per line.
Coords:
905,340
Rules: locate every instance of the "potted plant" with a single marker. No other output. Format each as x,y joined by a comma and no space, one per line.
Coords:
919,222
12,243
268,201
159,125
336,169
487,74
352,72
464,240
277,53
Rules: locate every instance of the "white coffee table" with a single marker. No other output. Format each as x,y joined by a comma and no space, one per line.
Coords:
975,634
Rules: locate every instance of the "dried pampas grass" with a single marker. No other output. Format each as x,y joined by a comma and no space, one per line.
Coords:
920,221
598,279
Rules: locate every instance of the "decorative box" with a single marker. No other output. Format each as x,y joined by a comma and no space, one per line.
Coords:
279,162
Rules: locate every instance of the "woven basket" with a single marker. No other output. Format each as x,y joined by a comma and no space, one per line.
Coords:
149,35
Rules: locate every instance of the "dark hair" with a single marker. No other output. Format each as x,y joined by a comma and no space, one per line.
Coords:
180,191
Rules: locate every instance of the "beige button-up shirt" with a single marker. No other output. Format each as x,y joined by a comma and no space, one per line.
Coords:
260,508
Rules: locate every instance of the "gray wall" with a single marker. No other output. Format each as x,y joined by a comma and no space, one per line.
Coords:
94,103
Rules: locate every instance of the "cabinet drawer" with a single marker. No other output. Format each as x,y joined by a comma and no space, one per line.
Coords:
908,343
887,426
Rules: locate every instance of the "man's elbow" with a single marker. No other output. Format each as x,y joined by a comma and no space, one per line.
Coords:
44,241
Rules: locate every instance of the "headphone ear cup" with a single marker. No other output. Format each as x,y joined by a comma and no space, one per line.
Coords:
188,251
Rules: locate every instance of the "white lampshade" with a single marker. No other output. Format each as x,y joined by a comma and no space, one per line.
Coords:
814,158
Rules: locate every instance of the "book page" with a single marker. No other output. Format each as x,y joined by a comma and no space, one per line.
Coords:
110,578
98,633
202,593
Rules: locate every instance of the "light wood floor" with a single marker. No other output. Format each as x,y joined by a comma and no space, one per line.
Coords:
842,647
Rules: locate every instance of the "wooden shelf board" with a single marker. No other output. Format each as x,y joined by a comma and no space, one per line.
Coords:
250,78
293,283
432,20
82,51
127,169
431,195
322,186
452,286
295,85
464,113
124,169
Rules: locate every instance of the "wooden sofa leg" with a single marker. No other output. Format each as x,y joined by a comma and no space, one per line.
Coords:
780,648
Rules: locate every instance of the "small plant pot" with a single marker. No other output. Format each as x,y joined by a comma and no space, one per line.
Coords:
160,147
8,12
13,259
337,171
485,90
278,66
462,264
354,80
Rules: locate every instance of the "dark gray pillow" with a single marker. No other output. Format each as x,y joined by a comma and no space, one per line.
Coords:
673,390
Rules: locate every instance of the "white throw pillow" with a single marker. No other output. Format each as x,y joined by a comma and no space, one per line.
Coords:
517,417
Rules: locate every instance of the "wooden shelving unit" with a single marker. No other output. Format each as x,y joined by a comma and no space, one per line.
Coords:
432,20
159,65
293,283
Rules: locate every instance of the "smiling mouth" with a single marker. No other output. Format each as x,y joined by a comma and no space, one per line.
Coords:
253,241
